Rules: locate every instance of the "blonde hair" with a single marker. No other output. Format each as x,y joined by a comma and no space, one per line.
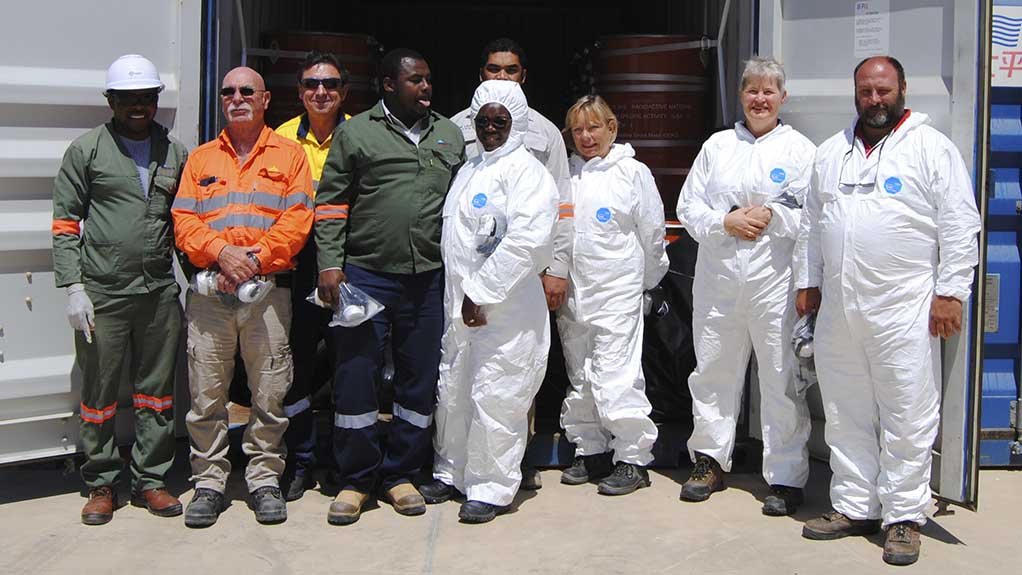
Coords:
593,108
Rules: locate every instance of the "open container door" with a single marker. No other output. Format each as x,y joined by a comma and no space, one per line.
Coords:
941,44
51,88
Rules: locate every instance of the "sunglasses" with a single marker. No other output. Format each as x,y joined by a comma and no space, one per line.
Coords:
315,83
132,99
246,91
500,122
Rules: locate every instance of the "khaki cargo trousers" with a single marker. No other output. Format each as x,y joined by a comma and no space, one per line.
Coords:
215,329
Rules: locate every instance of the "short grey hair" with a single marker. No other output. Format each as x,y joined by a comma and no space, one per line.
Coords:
763,67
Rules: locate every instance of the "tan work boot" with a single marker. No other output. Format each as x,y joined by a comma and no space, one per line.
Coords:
706,477
902,545
347,507
406,499
834,525
100,507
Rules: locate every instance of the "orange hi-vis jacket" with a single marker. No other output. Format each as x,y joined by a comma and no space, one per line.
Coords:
265,202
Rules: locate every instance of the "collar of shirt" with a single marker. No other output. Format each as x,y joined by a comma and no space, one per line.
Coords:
414,132
305,130
264,135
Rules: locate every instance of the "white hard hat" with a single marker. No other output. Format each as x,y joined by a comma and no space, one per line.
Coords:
132,72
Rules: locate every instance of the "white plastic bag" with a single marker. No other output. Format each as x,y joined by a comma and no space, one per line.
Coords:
490,230
250,291
354,306
802,336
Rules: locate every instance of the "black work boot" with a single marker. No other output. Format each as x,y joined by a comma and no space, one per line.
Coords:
587,468
626,478
783,500
706,478
480,512
436,491
835,525
300,482
204,508
902,544
268,504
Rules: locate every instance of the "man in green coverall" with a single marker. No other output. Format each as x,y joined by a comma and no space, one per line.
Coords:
113,250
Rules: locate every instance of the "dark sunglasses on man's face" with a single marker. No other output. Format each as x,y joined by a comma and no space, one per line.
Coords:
315,83
246,91
135,99
499,122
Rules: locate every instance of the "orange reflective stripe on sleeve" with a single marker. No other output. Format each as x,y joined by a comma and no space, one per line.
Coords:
143,401
98,416
72,227
329,212
565,211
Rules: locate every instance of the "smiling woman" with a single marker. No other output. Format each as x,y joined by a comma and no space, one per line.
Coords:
493,126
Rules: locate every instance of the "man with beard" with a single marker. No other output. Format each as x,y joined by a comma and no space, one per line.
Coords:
378,214
886,254
244,210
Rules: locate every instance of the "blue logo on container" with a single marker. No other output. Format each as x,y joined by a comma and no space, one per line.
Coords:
603,215
892,185
478,200
777,175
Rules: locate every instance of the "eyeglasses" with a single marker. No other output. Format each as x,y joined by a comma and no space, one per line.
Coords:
871,182
499,123
135,99
246,91
315,83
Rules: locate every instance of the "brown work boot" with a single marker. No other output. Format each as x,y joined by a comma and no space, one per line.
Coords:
100,507
347,507
902,545
834,525
406,499
158,501
706,477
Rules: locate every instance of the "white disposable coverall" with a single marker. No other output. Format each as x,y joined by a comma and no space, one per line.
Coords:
882,235
743,295
490,374
616,252
545,142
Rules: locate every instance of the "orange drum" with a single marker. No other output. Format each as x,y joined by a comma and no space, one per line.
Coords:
284,52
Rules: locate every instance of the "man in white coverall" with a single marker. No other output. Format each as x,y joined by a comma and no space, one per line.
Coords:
504,59
742,201
497,332
886,254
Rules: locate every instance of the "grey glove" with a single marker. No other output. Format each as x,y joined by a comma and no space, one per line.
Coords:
80,313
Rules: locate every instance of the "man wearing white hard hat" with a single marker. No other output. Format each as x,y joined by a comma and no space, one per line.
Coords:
113,250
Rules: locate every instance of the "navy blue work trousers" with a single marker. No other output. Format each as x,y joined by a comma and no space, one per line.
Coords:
413,317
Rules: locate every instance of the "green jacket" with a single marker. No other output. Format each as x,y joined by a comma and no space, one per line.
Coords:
127,244
380,201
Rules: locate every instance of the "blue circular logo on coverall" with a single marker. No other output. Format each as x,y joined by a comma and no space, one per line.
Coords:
892,185
777,175
603,215
479,200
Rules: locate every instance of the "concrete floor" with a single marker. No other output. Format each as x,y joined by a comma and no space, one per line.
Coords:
559,529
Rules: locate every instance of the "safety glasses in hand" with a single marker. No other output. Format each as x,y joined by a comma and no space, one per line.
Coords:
246,91
499,122
853,182
315,83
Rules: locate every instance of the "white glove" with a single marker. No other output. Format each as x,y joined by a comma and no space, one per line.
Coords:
80,313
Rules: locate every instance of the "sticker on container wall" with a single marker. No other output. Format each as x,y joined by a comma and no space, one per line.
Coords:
872,27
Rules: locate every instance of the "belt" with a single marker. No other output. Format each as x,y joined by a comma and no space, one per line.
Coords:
282,280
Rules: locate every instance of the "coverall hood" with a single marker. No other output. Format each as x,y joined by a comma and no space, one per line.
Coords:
508,94
617,153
